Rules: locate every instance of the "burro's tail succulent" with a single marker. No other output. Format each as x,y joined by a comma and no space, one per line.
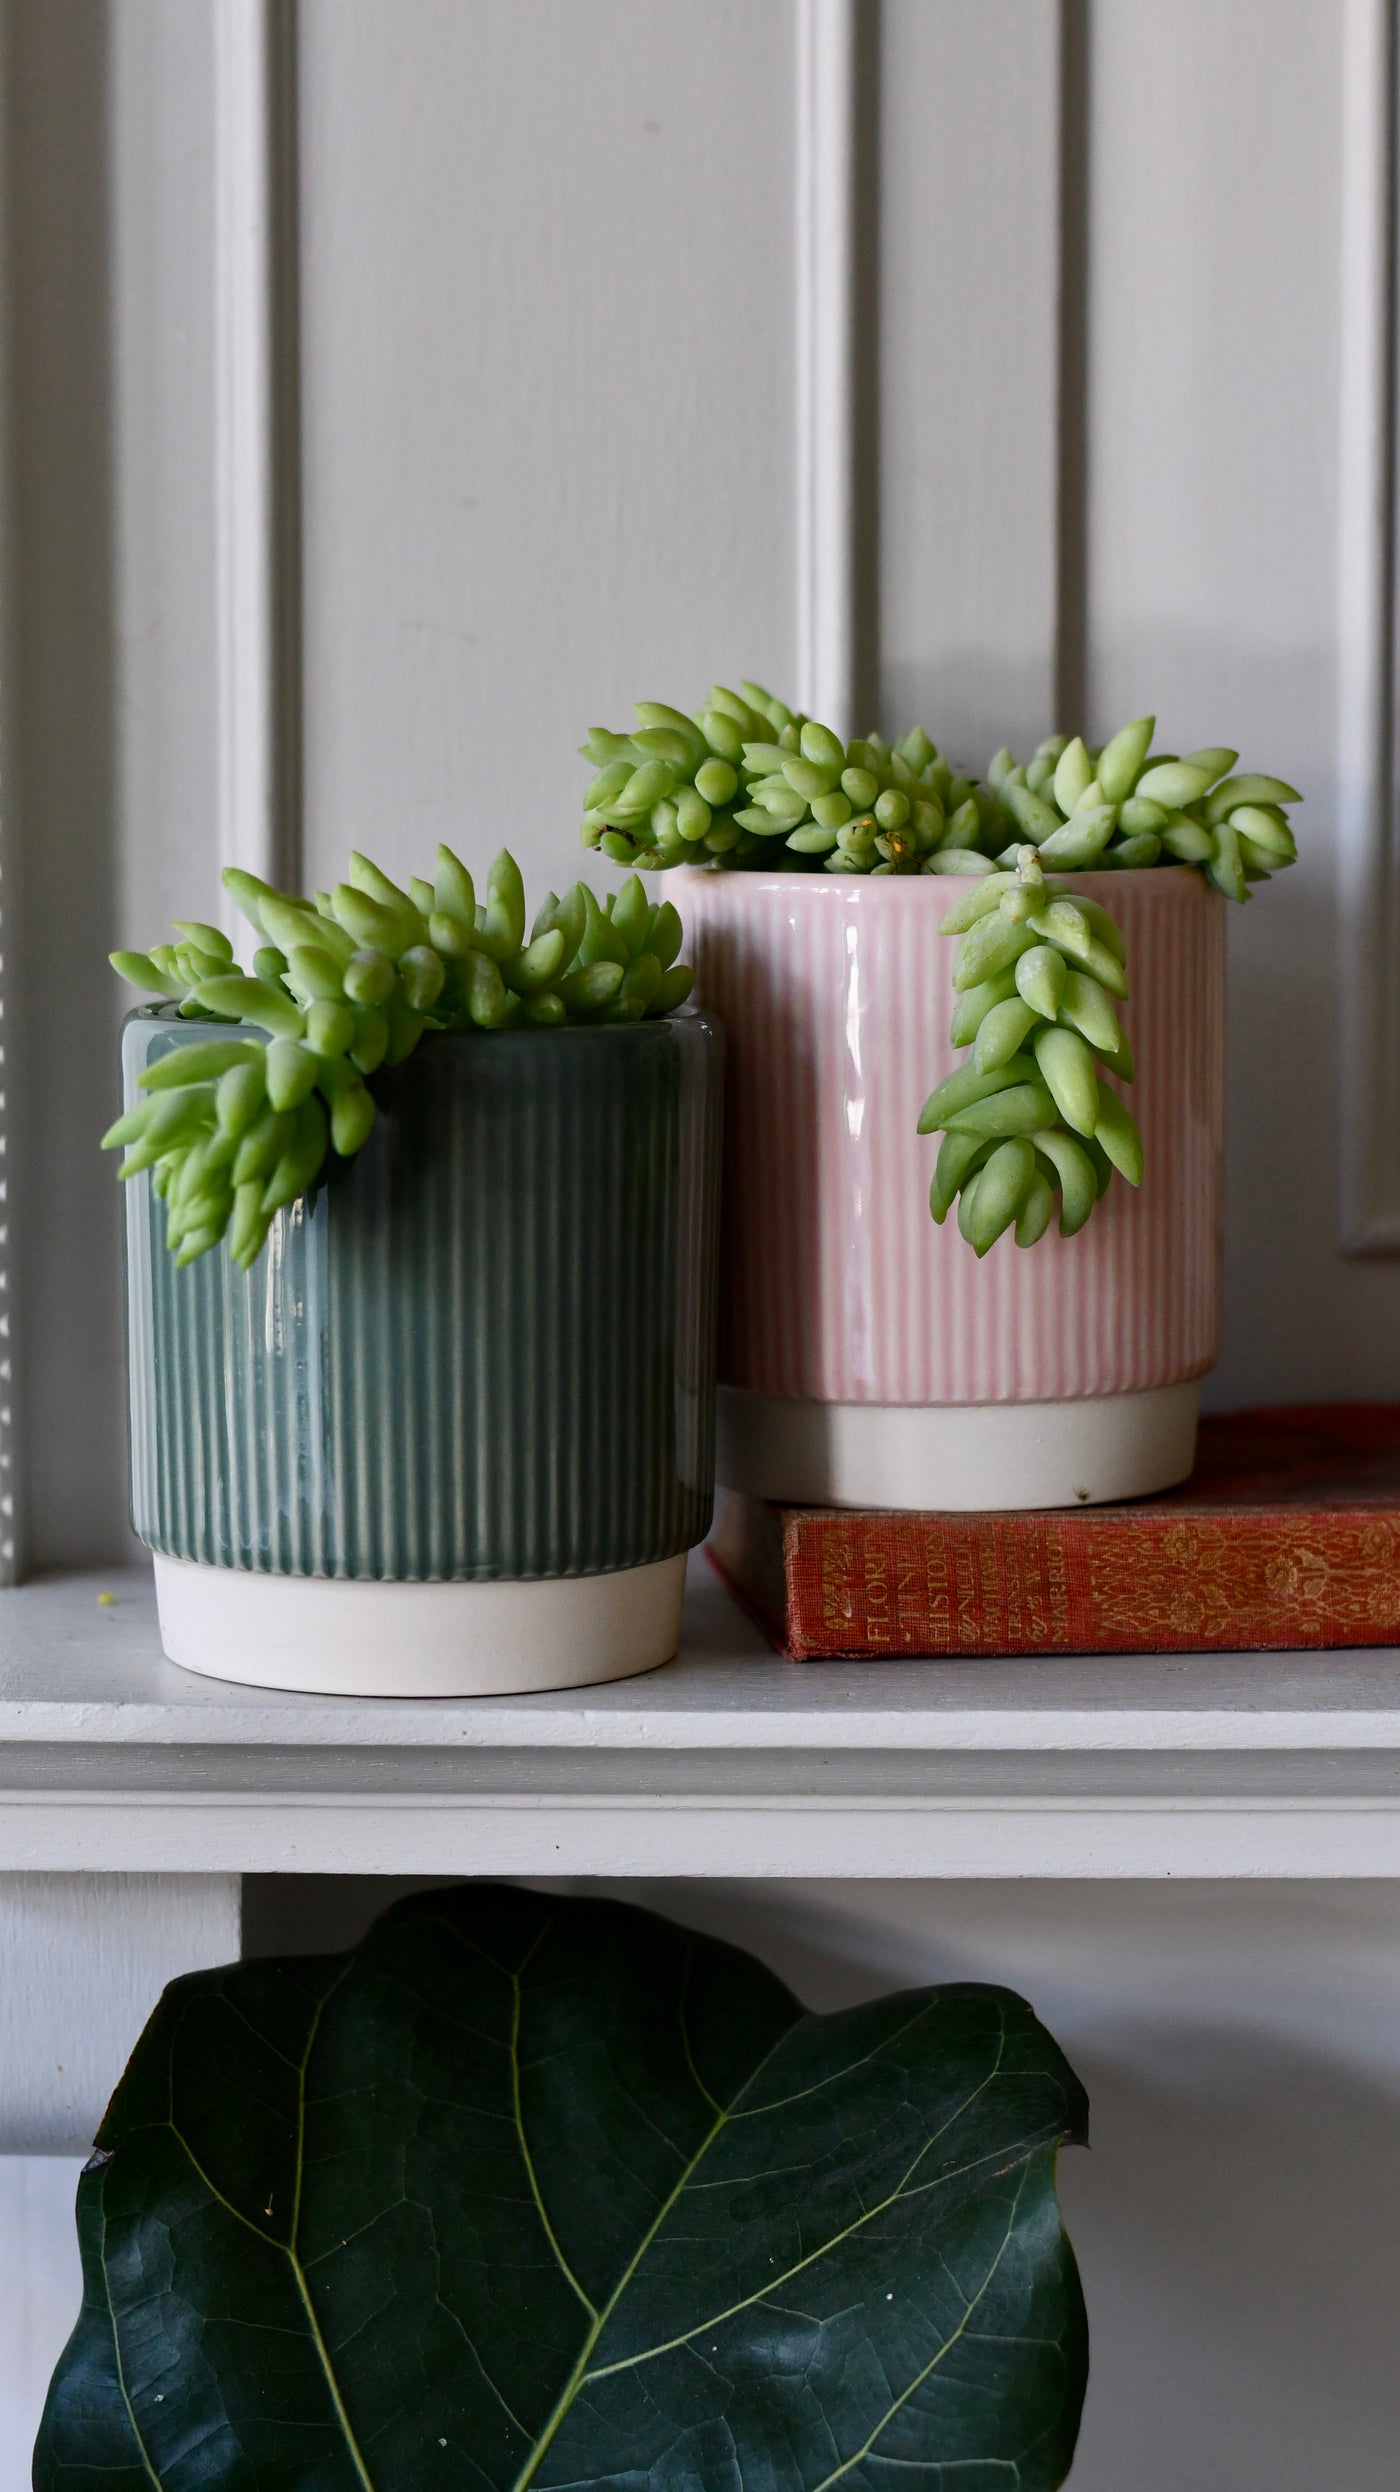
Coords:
1120,804
1029,1123
237,1125
671,792
746,781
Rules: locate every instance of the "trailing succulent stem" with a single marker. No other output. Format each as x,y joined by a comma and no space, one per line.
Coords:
1029,1124
748,782
234,1128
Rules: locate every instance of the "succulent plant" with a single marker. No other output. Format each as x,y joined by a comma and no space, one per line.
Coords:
1030,1119
237,1126
668,793
776,789
749,782
1120,804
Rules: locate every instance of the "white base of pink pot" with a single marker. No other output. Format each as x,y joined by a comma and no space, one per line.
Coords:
971,1458
332,1637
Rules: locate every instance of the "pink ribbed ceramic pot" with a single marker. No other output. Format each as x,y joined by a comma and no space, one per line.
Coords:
866,1356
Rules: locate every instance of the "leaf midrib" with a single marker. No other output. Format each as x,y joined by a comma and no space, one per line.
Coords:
577,2375
775,2284
581,2374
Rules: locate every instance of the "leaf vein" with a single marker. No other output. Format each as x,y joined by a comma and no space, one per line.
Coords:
903,2189
579,2374
527,2158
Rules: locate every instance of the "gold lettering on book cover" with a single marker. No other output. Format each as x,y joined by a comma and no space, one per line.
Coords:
969,1635
908,1614
1057,1590
938,1592
878,1619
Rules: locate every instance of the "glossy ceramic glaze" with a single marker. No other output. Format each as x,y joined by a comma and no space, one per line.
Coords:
483,1349
836,992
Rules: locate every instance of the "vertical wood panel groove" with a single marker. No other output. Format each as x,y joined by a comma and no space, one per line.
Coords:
1072,409
1369,887
257,526
827,90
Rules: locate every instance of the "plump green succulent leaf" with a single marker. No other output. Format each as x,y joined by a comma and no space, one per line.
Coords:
1021,1116
746,783
348,983
528,2192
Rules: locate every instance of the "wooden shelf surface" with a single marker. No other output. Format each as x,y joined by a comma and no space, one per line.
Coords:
730,1761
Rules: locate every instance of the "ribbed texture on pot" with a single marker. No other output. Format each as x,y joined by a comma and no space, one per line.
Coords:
485,1348
836,994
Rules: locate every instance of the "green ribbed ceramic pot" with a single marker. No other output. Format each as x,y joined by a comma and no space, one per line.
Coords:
455,1429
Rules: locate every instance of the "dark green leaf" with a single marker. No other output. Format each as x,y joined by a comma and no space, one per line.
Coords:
527,2192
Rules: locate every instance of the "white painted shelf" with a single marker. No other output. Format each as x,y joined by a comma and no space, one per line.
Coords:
728,1762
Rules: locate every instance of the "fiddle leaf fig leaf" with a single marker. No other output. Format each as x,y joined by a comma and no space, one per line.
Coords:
527,2192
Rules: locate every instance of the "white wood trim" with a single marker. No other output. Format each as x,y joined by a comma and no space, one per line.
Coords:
9,1521
825,241
772,1836
9,1558
86,1959
41,2289
1369,883
729,1762
244,436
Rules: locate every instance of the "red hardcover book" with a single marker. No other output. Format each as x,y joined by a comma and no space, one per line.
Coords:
1287,1535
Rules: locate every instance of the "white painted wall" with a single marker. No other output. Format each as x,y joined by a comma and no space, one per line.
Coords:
549,411
549,417
967,325
1212,506
548,390
40,2290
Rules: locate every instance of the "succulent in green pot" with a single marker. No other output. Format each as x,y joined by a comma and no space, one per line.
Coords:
421,1222
342,986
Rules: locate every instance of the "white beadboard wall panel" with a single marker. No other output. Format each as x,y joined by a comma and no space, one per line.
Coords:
1212,499
968,366
548,374
1212,438
1368,620
85,1958
40,2290
164,323
61,796
204,448
827,442
10,900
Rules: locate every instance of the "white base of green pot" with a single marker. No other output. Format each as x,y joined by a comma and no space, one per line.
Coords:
972,1458
329,1637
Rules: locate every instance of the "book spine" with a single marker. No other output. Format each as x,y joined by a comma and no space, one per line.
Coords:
950,1585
